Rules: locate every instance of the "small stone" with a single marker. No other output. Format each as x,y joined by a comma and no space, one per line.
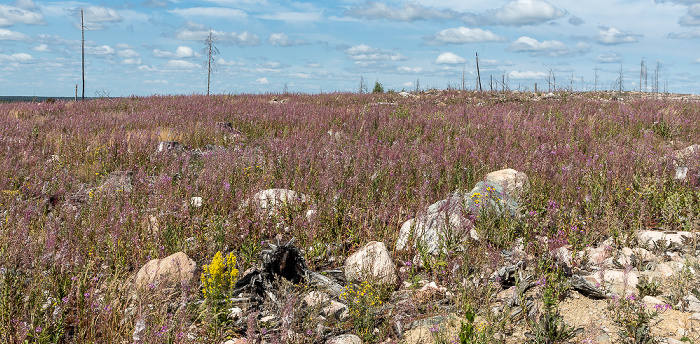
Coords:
167,146
139,329
337,310
235,313
664,269
268,319
650,300
235,341
315,298
196,202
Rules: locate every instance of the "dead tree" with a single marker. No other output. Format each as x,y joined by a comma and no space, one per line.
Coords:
210,50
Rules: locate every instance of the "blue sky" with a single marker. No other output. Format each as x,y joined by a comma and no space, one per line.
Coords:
155,46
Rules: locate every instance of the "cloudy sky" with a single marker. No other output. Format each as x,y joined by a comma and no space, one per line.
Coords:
138,47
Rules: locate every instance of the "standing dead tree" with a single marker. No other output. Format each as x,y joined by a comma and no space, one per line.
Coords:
82,47
210,50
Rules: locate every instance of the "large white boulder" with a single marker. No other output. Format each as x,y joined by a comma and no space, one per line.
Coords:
371,263
515,183
174,270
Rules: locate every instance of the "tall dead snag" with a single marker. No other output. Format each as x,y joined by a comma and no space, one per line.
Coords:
82,33
210,50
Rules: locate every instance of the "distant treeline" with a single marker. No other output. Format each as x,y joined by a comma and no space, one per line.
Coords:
8,99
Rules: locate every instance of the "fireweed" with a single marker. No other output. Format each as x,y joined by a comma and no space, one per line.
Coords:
605,162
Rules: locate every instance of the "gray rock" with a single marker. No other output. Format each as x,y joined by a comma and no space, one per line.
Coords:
169,146
692,304
490,198
429,230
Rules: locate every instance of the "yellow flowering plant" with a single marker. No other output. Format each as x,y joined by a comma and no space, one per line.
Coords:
219,277
362,300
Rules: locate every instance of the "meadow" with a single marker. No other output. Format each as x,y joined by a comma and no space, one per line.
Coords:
71,240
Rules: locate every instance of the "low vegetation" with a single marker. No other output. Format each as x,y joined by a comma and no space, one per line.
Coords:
70,243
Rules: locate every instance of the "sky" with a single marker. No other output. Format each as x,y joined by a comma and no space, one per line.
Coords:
148,47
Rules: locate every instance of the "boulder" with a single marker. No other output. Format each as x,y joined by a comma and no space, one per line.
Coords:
174,270
169,146
274,199
118,181
428,230
655,238
687,156
490,198
344,339
371,263
515,183
618,282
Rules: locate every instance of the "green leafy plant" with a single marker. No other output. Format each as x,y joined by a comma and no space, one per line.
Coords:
635,319
650,288
471,333
551,327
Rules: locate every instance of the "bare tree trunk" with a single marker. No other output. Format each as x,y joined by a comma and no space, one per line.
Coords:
478,74
82,31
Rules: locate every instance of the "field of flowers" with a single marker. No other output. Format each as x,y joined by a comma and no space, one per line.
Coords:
72,239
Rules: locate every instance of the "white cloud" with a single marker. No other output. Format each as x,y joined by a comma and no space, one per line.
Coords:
527,75
461,35
131,61
410,11
147,68
363,52
42,48
102,50
19,57
409,70
294,16
195,32
608,57
449,58
223,62
531,45
527,12
696,61
22,13
155,3
610,36
261,81
692,18
180,64
7,35
314,65
128,53
280,39
217,12
162,82
684,35
182,52
495,63
95,17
